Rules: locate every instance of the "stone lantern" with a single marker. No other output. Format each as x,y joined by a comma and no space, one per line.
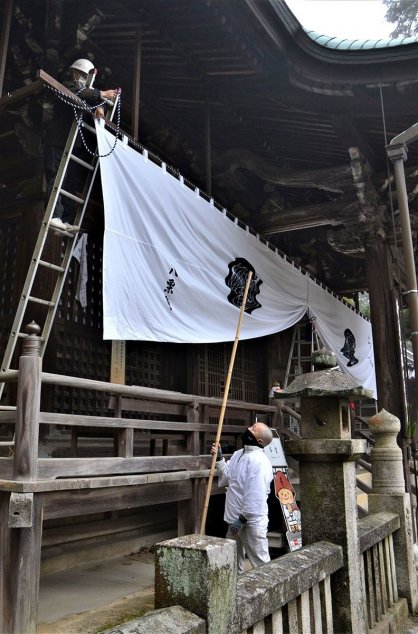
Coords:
326,453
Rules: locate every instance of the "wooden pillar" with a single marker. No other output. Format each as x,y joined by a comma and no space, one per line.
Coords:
23,532
25,567
387,346
25,464
118,353
125,441
190,511
5,566
136,84
386,337
208,149
4,41
193,444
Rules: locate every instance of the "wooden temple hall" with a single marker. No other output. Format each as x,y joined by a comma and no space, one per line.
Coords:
307,144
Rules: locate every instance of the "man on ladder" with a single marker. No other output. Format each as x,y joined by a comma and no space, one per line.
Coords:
52,220
56,135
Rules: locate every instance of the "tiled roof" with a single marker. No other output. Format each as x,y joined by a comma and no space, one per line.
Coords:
346,44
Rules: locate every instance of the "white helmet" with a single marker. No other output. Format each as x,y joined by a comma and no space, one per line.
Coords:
83,65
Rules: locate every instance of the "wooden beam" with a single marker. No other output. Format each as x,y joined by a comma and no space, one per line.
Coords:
96,467
47,80
335,180
350,136
101,482
372,210
20,93
298,218
104,422
132,391
70,503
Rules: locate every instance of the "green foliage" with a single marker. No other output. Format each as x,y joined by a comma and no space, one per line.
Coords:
403,13
364,304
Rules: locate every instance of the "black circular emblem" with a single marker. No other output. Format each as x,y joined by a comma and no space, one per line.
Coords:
236,281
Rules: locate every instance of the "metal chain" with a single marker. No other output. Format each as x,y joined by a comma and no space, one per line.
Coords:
84,107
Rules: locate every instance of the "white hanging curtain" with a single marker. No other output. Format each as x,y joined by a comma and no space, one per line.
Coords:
345,332
175,267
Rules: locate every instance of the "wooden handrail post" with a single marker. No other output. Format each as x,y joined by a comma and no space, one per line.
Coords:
25,464
23,533
190,511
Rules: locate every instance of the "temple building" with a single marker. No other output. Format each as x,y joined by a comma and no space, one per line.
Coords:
302,144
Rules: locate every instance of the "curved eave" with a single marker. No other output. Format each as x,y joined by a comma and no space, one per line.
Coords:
283,27
345,44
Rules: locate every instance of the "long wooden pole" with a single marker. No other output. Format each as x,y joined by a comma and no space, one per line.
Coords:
224,401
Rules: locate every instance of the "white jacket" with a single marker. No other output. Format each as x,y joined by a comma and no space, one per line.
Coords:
247,475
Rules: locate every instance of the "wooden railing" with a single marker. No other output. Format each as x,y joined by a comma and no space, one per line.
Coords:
193,431
35,489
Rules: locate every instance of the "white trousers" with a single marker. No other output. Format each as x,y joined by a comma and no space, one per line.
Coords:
253,541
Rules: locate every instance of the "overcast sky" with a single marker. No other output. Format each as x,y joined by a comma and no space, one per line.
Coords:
353,19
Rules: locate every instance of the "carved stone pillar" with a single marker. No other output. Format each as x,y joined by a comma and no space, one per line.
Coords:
389,495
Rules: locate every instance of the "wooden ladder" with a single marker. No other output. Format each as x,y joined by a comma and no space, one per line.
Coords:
37,263
300,354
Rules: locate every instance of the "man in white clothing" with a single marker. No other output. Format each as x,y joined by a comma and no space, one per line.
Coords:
247,476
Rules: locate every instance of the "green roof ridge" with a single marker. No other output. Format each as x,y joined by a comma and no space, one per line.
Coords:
347,44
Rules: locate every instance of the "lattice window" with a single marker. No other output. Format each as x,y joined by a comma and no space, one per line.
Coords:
144,364
85,355
248,377
69,308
